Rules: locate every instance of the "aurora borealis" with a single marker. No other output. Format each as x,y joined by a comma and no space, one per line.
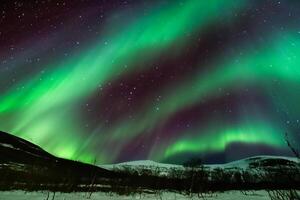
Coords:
160,80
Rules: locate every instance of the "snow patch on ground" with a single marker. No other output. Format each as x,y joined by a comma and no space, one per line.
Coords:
7,145
230,195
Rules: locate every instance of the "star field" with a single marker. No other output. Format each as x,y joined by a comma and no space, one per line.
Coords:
161,80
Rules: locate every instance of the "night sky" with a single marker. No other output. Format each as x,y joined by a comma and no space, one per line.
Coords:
165,80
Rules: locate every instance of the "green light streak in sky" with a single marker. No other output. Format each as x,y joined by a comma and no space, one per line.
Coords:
41,106
217,139
260,65
151,33
277,60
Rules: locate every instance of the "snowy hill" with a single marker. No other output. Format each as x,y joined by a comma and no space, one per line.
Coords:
255,161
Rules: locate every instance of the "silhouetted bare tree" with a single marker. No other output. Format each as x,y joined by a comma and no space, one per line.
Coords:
290,194
197,178
292,148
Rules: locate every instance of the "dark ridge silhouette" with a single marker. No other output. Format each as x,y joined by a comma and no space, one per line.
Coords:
24,163
15,149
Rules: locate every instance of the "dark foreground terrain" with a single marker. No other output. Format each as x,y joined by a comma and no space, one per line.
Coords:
25,166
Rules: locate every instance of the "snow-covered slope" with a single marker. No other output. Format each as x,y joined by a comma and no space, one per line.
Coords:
248,162
141,163
230,195
243,164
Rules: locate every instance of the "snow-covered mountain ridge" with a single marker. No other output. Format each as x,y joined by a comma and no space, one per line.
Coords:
255,161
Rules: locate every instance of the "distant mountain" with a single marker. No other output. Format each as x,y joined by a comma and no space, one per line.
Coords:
256,162
253,173
263,161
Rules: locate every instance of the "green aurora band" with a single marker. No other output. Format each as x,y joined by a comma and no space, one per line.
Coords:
261,66
217,140
38,106
42,109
